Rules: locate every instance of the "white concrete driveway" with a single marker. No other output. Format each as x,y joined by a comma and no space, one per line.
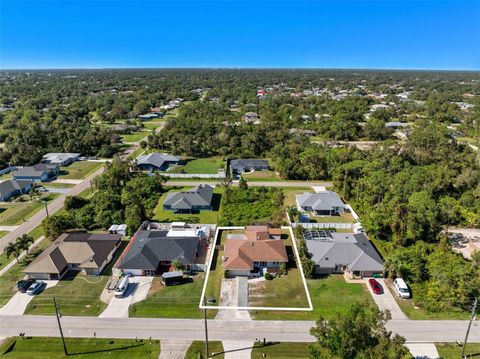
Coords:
386,300
423,350
229,298
19,302
137,291
234,349
174,349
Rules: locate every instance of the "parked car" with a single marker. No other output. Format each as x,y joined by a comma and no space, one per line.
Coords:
401,288
23,285
35,288
376,287
122,287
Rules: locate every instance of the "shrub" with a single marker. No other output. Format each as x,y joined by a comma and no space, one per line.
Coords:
226,274
268,276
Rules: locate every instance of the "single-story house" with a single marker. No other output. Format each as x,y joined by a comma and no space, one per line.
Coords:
193,200
258,250
60,159
152,252
87,252
350,253
326,203
148,116
396,124
40,172
251,117
156,161
240,166
123,128
13,188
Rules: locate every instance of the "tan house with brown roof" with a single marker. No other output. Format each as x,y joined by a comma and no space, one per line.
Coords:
87,252
255,251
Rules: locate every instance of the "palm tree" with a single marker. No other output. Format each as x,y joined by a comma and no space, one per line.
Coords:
24,242
13,249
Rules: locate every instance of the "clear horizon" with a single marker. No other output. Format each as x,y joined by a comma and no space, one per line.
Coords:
344,35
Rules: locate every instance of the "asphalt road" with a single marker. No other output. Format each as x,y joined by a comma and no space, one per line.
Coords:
239,330
255,183
53,207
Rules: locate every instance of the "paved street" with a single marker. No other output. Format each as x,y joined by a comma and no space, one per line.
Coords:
255,183
427,331
53,207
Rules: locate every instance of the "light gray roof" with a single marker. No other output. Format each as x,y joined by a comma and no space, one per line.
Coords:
9,186
156,159
35,170
59,157
152,247
396,124
241,164
352,250
321,201
201,195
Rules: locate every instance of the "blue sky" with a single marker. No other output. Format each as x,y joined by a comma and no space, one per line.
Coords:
403,34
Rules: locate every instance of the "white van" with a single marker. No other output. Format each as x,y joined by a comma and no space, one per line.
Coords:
401,288
122,287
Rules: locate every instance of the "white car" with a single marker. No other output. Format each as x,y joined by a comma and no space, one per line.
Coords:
401,288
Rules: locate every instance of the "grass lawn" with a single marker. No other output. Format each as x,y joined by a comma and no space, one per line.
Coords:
454,351
343,218
197,350
281,350
284,291
57,185
200,166
137,152
16,212
136,136
262,176
204,217
330,296
43,347
75,294
6,176
413,309
179,301
3,233
79,170
290,192
8,280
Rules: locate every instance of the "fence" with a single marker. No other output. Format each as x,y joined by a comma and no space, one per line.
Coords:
324,225
193,175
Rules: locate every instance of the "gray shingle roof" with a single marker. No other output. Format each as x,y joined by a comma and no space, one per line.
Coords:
35,171
59,157
241,164
196,197
321,201
10,186
352,250
152,247
156,159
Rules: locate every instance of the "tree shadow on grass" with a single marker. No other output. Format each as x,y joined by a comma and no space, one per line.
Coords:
107,349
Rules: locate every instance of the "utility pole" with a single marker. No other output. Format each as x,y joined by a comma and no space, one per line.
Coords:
474,311
206,329
58,315
46,207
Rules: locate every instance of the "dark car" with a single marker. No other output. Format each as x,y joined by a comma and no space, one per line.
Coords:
23,285
376,287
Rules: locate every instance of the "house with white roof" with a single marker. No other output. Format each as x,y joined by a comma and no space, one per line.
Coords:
325,203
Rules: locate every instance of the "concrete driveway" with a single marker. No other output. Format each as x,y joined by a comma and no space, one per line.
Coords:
234,349
229,297
423,350
386,300
174,349
137,291
19,302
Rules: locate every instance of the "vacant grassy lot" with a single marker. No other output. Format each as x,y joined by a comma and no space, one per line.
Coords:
79,170
330,296
281,350
16,212
75,294
454,351
8,280
200,166
136,136
413,309
179,301
197,350
262,176
254,205
284,291
43,347
204,217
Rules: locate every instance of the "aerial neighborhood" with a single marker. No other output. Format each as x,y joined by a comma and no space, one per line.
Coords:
311,196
